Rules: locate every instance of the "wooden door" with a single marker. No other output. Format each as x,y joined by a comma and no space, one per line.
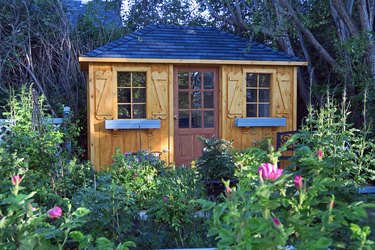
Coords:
196,104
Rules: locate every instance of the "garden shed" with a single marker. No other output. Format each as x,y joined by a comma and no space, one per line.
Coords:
162,87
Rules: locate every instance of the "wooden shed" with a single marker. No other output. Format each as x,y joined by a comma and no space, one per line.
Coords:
162,87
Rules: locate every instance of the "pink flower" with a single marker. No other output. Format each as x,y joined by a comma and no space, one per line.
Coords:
16,180
54,212
165,198
269,171
319,153
276,222
228,190
331,204
298,182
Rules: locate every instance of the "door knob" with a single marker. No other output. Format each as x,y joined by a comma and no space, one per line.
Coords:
175,117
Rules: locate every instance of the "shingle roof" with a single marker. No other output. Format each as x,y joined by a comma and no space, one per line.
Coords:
188,42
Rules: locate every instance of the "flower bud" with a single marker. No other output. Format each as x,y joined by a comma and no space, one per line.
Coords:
54,212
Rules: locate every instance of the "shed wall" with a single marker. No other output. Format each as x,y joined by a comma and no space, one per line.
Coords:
102,94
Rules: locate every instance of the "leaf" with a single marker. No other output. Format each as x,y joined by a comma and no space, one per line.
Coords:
81,211
103,243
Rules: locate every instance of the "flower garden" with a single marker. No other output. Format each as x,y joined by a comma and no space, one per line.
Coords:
50,200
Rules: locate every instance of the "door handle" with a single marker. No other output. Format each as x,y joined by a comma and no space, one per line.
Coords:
175,117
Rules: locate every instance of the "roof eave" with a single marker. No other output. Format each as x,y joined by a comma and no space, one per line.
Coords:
84,60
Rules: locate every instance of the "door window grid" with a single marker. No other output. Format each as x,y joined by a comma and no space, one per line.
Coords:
195,99
131,95
258,88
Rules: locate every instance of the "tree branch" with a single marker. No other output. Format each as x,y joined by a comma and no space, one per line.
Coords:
343,13
311,38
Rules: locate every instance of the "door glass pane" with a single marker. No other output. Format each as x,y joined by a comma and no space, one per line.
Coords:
183,100
123,79
124,111
209,100
251,110
183,80
264,80
208,79
264,110
196,78
139,79
123,95
196,99
251,95
208,119
183,119
251,80
139,95
139,111
196,119
264,95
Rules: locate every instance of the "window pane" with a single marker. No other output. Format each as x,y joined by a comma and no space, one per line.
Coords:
196,78
264,95
196,99
183,119
209,100
251,80
251,110
196,119
183,100
123,79
208,119
208,78
139,111
139,95
264,110
139,79
264,80
251,95
183,80
124,111
123,95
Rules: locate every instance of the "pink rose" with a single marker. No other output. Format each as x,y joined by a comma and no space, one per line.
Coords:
228,190
16,180
55,212
269,171
276,222
298,182
319,153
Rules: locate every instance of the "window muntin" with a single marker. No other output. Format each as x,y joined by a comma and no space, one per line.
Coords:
258,90
131,95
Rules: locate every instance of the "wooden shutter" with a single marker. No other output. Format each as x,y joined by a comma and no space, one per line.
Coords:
160,99
236,95
103,95
282,93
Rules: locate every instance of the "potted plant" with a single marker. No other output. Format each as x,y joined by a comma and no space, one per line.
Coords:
216,165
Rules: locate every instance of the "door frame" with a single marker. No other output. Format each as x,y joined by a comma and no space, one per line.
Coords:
217,108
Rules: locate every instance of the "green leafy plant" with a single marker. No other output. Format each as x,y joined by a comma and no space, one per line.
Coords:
111,207
216,162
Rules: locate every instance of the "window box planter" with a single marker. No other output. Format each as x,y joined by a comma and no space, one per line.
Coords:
260,122
132,124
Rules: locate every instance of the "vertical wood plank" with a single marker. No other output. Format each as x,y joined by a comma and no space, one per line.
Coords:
294,104
171,114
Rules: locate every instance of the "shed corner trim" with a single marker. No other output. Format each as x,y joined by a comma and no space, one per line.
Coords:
260,122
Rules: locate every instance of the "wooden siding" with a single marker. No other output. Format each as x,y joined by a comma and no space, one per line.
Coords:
232,97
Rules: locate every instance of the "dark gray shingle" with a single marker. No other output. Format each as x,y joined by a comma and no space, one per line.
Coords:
186,42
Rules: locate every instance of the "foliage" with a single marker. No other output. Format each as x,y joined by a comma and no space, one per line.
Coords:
348,152
32,137
24,225
111,207
272,213
172,221
137,174
217,161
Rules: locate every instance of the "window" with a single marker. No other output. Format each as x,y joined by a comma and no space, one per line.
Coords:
131,95
258,89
